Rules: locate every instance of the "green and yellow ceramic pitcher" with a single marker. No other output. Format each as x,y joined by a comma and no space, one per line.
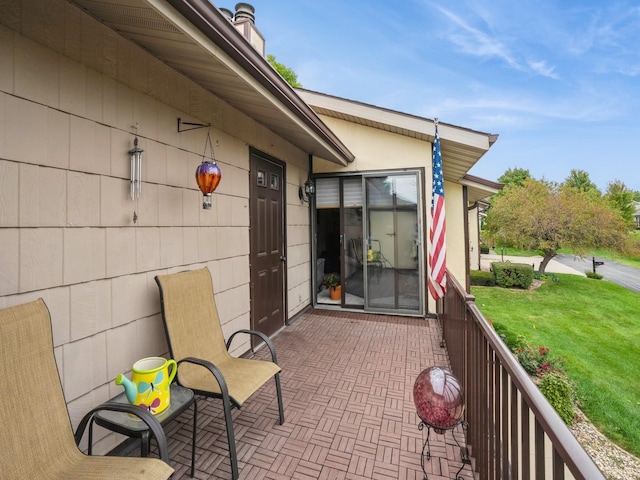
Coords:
150,383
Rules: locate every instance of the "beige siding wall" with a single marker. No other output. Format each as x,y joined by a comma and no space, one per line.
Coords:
70,92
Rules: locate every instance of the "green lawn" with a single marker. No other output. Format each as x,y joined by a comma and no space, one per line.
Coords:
595,327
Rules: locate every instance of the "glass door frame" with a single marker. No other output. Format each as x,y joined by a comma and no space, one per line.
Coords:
420,228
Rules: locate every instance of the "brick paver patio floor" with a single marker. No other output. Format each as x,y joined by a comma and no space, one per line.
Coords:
347,381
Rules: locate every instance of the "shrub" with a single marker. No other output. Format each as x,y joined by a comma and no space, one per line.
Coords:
482,279
594,275
510,339
558,390
545,276
484,249
512,275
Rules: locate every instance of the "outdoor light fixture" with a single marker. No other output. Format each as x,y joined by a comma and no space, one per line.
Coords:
135,155
308,192
208,175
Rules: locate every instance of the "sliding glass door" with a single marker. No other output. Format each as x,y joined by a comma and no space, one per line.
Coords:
368,231
393,240
352,258
339,239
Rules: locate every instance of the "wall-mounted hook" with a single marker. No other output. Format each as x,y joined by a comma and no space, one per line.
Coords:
191,126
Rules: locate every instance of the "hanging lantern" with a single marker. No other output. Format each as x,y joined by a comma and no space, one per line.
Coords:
208,176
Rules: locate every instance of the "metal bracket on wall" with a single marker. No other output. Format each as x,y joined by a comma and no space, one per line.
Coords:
191,126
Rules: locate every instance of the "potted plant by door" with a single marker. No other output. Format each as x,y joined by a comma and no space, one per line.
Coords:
332,280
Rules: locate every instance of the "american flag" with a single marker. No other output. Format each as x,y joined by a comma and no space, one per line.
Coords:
438,229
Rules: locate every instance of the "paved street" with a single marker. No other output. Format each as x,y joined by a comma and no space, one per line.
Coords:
623,275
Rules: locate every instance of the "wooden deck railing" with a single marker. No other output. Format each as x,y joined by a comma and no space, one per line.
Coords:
513,432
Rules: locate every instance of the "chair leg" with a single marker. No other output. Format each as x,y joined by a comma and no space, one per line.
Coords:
226,403
279,391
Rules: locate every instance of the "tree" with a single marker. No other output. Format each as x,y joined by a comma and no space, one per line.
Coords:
285,72
580,180
540,216
621,198
514,176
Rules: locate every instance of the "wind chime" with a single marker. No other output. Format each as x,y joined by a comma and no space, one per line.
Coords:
135,158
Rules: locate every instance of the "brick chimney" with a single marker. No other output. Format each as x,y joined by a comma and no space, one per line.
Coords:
245,22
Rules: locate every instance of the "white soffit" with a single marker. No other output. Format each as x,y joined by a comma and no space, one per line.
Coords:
461,147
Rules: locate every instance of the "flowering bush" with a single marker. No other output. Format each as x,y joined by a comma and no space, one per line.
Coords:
536,361
549,374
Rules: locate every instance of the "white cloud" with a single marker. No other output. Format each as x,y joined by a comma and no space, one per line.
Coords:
475,42
507,47
543,69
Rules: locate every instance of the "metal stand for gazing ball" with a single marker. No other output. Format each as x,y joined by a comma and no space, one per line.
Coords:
464,453
439,402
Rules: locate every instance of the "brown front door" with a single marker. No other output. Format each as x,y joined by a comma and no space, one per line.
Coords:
267,257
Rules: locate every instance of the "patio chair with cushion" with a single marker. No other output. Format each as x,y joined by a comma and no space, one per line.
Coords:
196,341
36,436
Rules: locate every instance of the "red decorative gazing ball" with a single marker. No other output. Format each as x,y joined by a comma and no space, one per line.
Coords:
437,395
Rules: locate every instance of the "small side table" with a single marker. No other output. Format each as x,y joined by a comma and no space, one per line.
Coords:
125,424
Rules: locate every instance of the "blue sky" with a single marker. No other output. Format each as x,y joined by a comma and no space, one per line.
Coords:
558,80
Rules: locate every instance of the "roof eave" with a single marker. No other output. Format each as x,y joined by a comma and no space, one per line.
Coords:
461,147
479,189
213,24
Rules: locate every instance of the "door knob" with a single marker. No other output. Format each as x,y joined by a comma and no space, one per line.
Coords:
283,258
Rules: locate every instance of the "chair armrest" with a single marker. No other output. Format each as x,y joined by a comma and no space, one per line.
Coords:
141,413
264,338
215,371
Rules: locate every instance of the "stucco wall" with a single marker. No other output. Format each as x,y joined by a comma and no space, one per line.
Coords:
70,92
474,239
377,149
456,216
